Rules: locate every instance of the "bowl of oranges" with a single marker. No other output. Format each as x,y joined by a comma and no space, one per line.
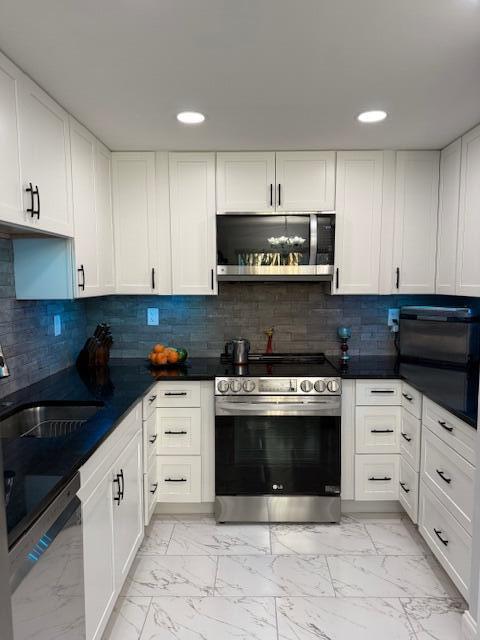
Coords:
162,356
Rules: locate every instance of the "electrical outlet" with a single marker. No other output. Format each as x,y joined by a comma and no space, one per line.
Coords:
57,325
393,319
152,316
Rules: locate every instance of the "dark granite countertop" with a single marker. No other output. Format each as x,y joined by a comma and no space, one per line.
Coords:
43,466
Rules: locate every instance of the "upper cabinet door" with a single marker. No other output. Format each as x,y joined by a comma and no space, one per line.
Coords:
192,210
45,160
134,222
104,211
87,248
415,234
11,205
246,181
359,217
449,192
468,260
305,180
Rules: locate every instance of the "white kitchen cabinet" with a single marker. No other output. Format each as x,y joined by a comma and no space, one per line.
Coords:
104,211
11,205
358,221
415,234
45,160
179,478
135,225
448,205
408,489
377,429
192,211
305,180
468,255
246,181
128,514
377,477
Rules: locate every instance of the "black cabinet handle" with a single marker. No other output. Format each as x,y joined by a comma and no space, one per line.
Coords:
37,212
122,490
279,195
212,280
153,277
153,438
118,497
404,487
381,430
152,399
443,424
405,437
155,487
397,281
31,208
443,476
81,285
271,194
176,393
175,479
374,479
176,433
438,533
407,397
337,278
382,391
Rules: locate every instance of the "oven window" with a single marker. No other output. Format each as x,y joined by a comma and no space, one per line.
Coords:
299,454
263,240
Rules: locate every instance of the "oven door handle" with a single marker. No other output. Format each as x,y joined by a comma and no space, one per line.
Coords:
263,408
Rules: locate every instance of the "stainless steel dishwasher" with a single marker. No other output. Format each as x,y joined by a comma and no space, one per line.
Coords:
46,573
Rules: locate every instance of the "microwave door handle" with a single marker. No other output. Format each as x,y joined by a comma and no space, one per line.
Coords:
313,238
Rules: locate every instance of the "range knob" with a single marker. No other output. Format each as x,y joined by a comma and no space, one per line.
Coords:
333,386
320,386
249,386
223,386
306,386
235,386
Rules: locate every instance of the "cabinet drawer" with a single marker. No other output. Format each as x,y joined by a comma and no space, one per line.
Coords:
179,431
149,403
150,488
379,392
449,476
456,433
410,430
149,438
377,429
179,479
448,540
408,489
376,477
412,400
178,394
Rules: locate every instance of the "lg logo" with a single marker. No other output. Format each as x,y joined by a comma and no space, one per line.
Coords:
277,487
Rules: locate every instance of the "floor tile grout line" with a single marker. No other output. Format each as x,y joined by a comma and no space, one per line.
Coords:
146,616
331,577
276,617
216,576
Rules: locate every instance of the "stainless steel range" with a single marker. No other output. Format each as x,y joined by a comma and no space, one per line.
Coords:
277,444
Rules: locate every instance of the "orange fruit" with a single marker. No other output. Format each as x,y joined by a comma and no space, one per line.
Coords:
158,348
160,358
173,356
151,357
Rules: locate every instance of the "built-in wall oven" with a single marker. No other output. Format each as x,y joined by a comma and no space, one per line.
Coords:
277,450
275,246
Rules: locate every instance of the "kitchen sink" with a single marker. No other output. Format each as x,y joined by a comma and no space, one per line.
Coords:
47,420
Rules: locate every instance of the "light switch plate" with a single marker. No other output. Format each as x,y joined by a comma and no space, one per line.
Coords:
57,325
152,316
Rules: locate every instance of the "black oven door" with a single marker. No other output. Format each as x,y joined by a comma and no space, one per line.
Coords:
265,448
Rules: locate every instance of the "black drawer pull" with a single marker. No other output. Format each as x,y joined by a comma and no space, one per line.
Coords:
81,285
404,487
122,490
407,397
155,487
176,433
381,430
153,438
374,479
443,476
405,437
443,424
382,391
118,497
175,393
175,480
438,533
152,399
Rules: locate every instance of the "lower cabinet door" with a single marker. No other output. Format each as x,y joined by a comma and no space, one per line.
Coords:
179,479
410,439
97,516
376,477
150,489
408,489
128,508
377,429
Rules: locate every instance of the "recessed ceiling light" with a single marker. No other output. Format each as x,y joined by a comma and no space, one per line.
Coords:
372,116
190,117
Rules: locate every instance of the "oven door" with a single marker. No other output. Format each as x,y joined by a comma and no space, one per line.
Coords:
277,446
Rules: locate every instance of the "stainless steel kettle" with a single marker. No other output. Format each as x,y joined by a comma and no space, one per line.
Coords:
238,349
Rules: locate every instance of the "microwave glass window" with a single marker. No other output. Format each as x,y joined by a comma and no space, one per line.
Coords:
263,240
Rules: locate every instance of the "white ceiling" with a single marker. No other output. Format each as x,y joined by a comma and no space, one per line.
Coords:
268,74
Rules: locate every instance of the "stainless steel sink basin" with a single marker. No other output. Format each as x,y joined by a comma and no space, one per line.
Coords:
47,420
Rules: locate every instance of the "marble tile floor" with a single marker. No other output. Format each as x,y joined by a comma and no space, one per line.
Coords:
367,578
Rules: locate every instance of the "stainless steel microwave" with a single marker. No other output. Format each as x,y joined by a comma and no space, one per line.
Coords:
275,246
